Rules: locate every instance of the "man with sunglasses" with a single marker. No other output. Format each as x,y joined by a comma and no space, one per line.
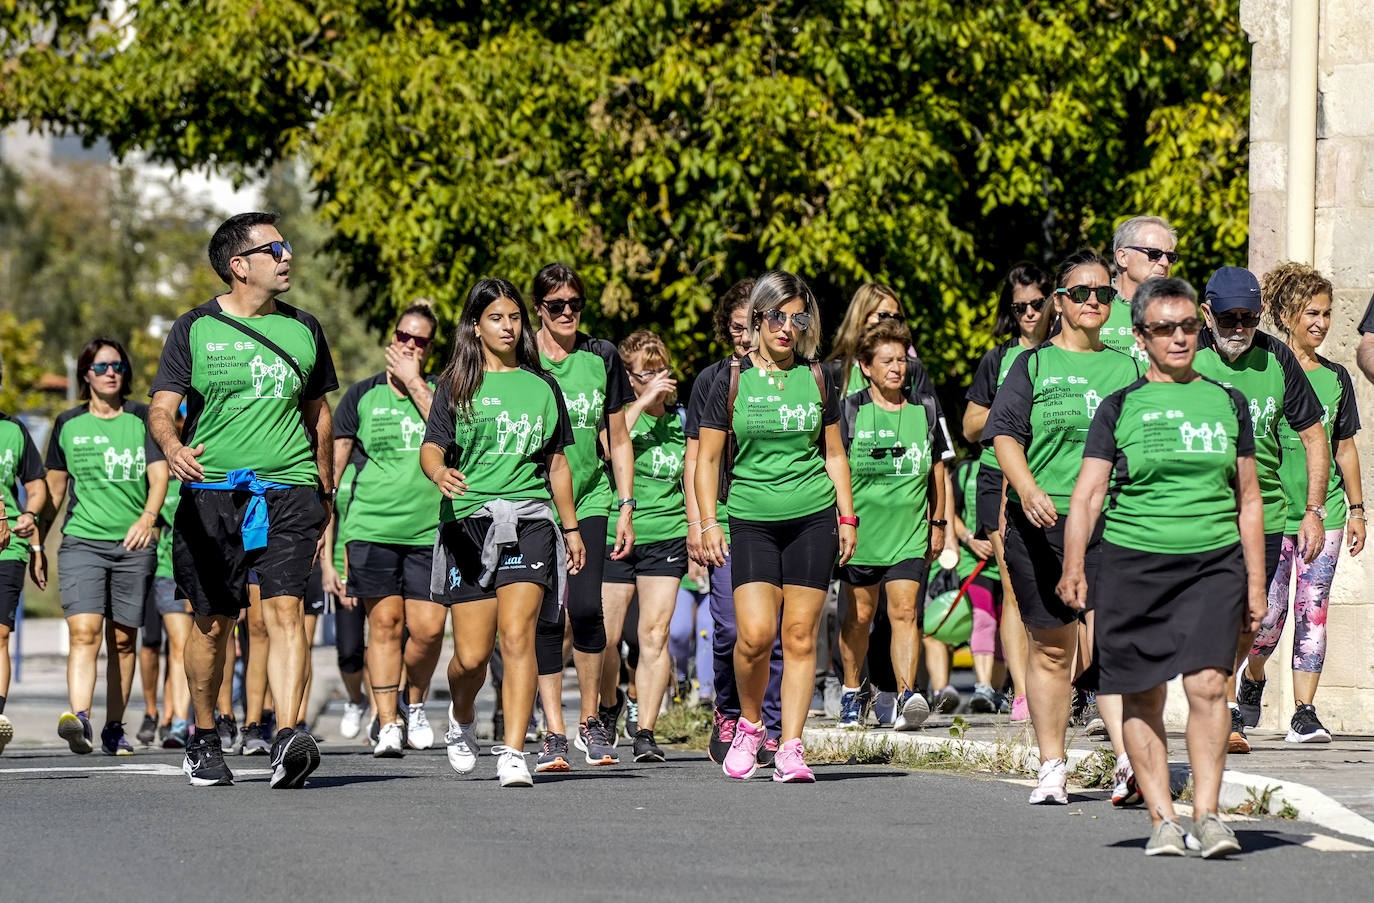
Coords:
1142,248
257,470
1236,354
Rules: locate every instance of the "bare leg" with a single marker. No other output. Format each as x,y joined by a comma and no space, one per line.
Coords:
205,652
906,631
657,599
756,621
615,602
303,715
1048,668
1209,727
801,617
1015,649
121,644
385,620
178,629
474,639
858,620
85,632
937,663
425,619
1148,748
150,675
286,666
517,611
259,650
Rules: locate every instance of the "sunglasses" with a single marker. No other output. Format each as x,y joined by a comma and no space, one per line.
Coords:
1154,254
419,341
275,248
1080,294
1230,320
556,308
1019,307
1163,329
104,367
776,318
886,315
895,451
650,374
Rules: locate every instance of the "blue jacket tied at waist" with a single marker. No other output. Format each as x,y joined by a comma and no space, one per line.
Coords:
255,521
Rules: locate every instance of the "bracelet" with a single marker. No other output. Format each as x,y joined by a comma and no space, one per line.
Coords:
573,529
851,521
939,523
704,529
1357,517
1358,506
967,537
152,514
693,523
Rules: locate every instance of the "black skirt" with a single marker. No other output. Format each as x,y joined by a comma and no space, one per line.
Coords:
1159,616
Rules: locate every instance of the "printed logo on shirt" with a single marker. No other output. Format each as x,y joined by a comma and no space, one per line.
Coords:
536,566
795,419
1203,439
7,467
667,466
124,466
1091,402
1263,418
269,380
516,437
909,464
412,432
583,412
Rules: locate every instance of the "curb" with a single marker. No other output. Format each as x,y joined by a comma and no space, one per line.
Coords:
1237,787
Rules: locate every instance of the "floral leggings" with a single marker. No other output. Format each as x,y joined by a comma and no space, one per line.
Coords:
1309,607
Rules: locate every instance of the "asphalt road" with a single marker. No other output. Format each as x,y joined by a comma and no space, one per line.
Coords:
410,829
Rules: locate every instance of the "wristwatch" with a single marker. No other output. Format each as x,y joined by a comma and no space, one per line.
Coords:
1319,510
629,501
328,496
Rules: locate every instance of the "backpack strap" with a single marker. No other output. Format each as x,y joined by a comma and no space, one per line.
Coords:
264,341
819,375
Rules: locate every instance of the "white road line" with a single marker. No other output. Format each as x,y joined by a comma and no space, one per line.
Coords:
151,768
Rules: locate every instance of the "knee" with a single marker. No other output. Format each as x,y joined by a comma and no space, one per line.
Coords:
84,637
902,615
1052,658
798,639
385,627
753,645
1207,688
125,642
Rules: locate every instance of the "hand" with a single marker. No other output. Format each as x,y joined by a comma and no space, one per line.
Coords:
849,541
183,464
450,482
1311,537
348,602
938,535
577,552
661,387
624,534
1354,533
1073,587
698,574
1039,508
1256,610
5,531
140,533
25,525
694,550
713,546
981,548
38,568
401,367
333,583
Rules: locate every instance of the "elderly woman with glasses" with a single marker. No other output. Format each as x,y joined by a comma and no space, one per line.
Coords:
1182,560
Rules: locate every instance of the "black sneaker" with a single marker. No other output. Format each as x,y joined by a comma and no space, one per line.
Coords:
768,752
1249,696
1238,742
1306,727
722,735
163,730
254,740
609,716
147,731
204,763
228,730
294,757
646,750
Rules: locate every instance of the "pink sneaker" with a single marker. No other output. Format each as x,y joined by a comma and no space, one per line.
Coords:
1019,710
742,760
789,767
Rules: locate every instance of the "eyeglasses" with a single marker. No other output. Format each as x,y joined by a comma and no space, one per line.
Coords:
1019,307
1231,320
1155,253
556,308
776,318
886,315
275,248
650,374
1079,294
895,451
1163,329
419,341
737,329
104,367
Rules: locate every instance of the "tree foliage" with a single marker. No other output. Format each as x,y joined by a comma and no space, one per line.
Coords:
669,147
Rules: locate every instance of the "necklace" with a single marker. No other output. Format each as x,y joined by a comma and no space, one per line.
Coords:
776,377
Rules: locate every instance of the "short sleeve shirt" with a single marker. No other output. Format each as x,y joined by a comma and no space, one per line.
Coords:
19,464
1341,420
1173,448
890,459
108,462
1118,332
987,379
393,501
242,400
660,447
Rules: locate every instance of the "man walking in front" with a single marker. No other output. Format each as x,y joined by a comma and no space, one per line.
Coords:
252,458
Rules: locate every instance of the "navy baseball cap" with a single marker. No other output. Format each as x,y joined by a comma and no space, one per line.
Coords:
1232,288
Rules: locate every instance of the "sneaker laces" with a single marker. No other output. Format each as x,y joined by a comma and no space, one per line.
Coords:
418,716
504,751
454,737
596,732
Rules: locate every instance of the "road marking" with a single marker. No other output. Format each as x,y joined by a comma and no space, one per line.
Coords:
158,769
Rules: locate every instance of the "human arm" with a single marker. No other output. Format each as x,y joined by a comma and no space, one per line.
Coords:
181,459
141,531
837,467
623,466
658,391
561,483
975,417
1251,507
404,373
450,482
319,428
333,580
1085,507
1035,502
1348,458
940,507
710,447
1364,355
689,491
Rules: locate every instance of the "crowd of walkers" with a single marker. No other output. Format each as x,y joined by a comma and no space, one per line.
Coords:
1149,483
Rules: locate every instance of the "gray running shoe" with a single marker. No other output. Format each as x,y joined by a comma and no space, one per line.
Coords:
592,740
253,742
946,701
554,754
1212,838
1167,839
984,699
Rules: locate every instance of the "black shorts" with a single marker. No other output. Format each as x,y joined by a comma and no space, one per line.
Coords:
1035,561
869,574
12,575
209,560
800,551
314,602
988,500
533,562
665,558
379,569
1273,550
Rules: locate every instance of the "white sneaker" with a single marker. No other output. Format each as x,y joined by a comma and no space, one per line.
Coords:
511,769
912,711
1054,775
354,714
6,732
462,747
390,742
419,735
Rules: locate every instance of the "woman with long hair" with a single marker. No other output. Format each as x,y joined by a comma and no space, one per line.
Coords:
494,446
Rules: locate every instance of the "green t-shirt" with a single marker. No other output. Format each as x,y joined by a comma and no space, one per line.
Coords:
1173,448
891,491
987,379
1275,388
19,464
242,400
107,461
779,471
502,448
1341,420
393,501
1046,404
594,386
1118,332
660,452
966,493
169,516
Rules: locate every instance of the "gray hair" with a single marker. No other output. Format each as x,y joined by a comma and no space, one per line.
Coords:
1128,233
1156,289
774,289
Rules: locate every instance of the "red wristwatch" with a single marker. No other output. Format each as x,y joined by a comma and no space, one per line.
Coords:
850,522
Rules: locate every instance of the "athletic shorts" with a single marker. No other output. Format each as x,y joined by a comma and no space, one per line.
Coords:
102,577
532,562
377,570
799,551
315,601
988,502
162,601
665,558
1035,562
869,574
1273,550
11,586
208,557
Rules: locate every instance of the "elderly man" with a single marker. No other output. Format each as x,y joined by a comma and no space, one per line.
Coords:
1364,355
1142,248
1264,370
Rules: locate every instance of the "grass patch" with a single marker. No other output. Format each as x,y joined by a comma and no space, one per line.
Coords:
1261,802
1004,756
684,725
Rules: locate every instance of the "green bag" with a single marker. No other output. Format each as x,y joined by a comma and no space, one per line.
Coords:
949,618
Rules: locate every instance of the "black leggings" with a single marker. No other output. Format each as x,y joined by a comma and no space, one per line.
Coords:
583,605
348,637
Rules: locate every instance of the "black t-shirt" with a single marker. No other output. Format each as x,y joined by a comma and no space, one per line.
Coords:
1367,324
701,391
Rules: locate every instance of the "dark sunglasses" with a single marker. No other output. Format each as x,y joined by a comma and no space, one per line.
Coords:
895,451
1019,307
104,367
556,308
1155,253
1080,294
887,315
420,342
275,248
776,318
1230,320
1163,329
